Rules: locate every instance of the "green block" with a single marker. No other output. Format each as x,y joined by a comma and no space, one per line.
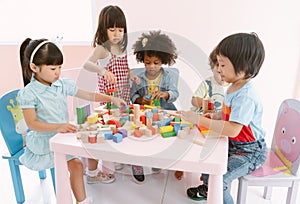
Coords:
156,102
113,107
128,110
108,105
80,112
177,119
168,134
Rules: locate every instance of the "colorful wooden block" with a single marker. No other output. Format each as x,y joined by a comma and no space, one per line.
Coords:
164,129
117,137
123,132
137,133
168,134
100,138
108,135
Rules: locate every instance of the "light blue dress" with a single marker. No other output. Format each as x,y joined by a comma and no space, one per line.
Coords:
50,104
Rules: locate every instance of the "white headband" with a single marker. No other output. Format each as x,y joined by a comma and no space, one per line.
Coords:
37,48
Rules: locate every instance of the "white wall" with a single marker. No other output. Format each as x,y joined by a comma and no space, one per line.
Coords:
45,18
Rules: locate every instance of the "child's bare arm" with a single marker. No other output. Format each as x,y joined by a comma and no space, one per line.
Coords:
97,97
225,128
197,101
34,124
214,116
99,53
134,78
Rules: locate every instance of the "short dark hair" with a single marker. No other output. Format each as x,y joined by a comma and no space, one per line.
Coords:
155,44
245,51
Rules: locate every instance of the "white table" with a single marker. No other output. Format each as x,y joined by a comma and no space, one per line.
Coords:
166,153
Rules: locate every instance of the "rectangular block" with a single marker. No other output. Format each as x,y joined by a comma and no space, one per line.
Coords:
117,137
168,134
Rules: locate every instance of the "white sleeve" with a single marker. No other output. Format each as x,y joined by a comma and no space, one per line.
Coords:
202,90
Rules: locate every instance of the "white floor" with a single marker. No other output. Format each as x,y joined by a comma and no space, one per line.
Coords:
160,188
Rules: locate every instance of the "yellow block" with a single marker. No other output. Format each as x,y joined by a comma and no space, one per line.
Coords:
187,123
133,126
93,118
148,106
168,128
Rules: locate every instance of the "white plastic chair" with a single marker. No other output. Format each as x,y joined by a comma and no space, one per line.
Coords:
281,168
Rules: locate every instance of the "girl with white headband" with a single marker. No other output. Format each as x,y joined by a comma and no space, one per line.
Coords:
44,105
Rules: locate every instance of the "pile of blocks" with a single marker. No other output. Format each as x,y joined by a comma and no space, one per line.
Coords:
133,120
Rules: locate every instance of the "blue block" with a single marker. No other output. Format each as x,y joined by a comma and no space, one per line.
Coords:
160,123
154,110
125,118
108,135
176,128
167,121
149,114
184,125
117,137
148,97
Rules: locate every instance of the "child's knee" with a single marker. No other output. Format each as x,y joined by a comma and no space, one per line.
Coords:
75,165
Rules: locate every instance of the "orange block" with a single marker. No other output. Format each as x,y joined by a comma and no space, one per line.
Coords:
155,117
137,133
203,130
118,124
152,129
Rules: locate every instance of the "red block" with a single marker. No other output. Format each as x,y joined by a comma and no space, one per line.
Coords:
118,124
112,122
143,119
210,105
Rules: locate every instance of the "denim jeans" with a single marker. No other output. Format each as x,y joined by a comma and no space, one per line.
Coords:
243,158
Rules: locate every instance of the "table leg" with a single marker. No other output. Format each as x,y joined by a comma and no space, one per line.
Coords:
215,189
62,180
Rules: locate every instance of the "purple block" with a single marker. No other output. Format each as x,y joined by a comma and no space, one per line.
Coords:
87,110
123,132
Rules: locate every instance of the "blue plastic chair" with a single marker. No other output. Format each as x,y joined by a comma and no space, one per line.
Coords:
12,126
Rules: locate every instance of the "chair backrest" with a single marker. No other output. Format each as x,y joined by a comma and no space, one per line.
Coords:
12,122
286,138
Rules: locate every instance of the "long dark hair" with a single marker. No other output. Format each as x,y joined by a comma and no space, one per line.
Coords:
110,16
47,54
